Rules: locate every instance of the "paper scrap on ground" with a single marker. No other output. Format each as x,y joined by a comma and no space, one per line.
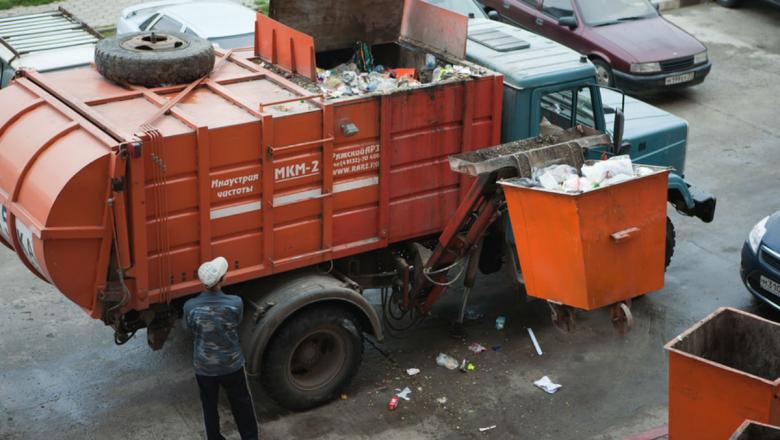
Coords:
477,348
487,428
405,393
442,400
547,385
413,371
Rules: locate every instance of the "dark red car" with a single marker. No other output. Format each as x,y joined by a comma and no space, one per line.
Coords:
632,46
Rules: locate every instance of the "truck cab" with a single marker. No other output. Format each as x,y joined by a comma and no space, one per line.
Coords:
546,83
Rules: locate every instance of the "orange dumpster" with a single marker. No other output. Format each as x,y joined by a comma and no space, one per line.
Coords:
722,371
592,249
751,430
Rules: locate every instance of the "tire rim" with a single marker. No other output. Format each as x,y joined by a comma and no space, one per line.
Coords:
154,42
317,359
603,75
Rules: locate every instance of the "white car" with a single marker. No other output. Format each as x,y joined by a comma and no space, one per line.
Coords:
227,24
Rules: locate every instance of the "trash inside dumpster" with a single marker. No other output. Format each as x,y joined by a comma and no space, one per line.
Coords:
722,371
590,248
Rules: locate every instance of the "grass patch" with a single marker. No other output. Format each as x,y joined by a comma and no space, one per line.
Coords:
8,4
260,5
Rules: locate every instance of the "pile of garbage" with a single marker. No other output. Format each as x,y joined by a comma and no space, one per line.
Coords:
599,174
360,76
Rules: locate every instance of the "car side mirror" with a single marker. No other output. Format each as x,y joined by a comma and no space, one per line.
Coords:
493,15
617,130
569,21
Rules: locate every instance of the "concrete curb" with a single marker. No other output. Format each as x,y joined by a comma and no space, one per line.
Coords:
667,5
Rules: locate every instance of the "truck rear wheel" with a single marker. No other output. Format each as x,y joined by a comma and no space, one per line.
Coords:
154,59
671,241
313,357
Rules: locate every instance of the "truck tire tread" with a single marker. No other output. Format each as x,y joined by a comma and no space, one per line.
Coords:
274,373
154,68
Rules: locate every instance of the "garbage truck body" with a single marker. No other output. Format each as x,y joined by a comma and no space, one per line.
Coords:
115,193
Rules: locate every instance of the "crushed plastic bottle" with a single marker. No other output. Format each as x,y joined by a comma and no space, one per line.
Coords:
500,322
447,361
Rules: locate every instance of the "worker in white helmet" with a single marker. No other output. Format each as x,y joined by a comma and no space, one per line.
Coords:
214,317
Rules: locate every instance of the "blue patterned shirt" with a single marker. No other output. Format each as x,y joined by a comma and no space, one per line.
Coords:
214,318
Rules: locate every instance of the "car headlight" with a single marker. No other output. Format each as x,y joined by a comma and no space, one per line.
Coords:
757,234
646,68
700,58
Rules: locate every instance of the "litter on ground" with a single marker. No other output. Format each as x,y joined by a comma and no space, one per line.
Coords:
446,361
547,385
487,428
413,371
476,348
535,342
404,394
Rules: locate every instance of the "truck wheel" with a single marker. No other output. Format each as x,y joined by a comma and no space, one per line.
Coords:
603,72
671,241
312,358
154,59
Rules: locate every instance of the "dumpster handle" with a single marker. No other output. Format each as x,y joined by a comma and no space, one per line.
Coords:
624,235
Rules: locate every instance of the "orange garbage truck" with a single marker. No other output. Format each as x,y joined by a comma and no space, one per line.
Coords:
115,190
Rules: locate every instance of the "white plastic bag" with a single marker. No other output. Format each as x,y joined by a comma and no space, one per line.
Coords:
447,361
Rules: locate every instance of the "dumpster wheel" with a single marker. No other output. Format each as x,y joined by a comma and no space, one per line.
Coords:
562,317
622,318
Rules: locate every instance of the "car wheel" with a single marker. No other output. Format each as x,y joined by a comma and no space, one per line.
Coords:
730,3
154,59
603,72
312,358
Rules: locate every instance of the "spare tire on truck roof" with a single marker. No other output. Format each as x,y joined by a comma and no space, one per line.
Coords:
154,59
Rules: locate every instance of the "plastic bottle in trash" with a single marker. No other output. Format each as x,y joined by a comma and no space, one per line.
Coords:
430,61
393,403
500,322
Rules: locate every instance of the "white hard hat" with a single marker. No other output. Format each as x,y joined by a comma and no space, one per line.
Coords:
212,271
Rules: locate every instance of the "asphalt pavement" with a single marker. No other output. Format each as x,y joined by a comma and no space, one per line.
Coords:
61,376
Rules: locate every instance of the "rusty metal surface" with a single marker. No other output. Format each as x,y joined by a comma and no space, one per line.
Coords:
564,148
444,30
338,24
723,370
285,47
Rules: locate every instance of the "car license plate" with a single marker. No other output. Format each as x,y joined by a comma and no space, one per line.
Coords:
770,286
679,79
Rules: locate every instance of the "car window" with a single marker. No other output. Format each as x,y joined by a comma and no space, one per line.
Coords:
557,8
145,25
189,31
530,2
558,108
167,24
606,12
